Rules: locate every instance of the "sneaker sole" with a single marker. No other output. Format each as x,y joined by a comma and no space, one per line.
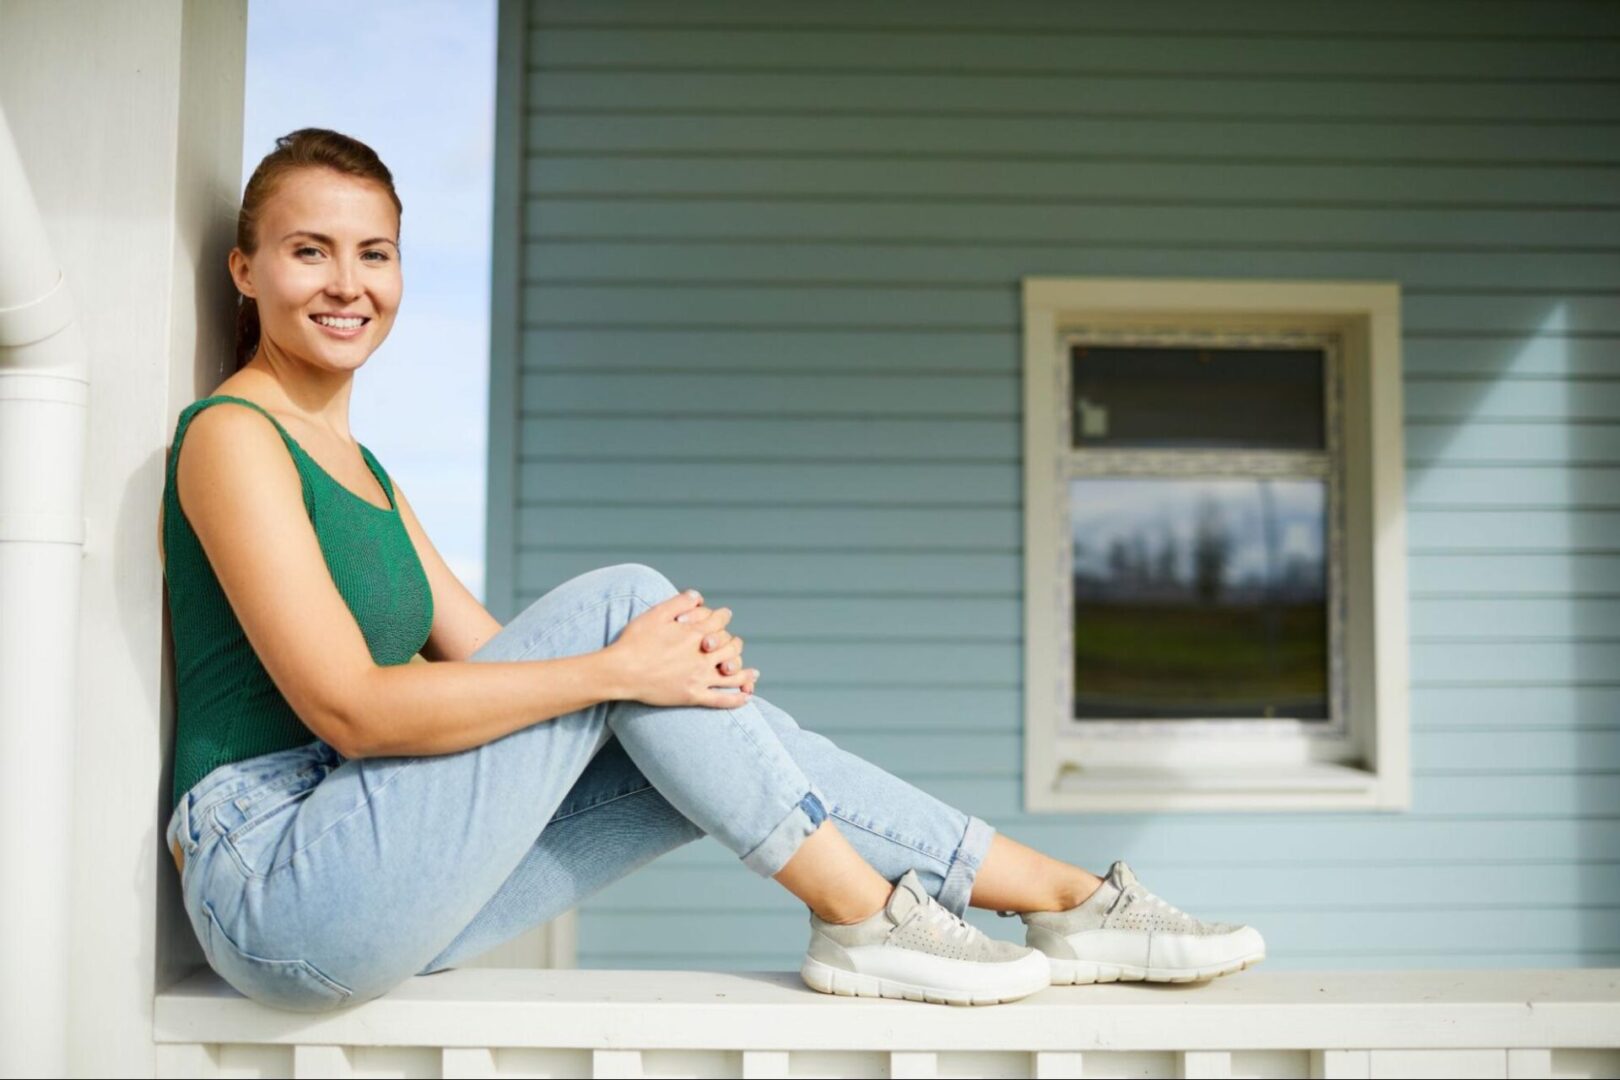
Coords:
1079,972
831,980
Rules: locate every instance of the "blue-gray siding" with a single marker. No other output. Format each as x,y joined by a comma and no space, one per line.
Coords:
762,332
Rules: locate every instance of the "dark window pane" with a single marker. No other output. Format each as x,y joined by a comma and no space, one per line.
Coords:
1199,597
1158,396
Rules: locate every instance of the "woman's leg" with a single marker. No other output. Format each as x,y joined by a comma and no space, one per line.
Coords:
615,821
612,822
998,872
371,874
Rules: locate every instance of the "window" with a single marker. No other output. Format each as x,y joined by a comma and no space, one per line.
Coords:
1215,577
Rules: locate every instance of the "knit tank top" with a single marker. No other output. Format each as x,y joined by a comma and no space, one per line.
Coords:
227,707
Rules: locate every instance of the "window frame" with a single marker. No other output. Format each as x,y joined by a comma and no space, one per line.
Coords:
1240,765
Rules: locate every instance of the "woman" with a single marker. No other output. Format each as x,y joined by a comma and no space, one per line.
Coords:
444,807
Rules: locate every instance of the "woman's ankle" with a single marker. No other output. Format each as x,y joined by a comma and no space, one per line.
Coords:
844,914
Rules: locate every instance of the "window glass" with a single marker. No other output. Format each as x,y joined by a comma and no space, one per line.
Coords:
1199,597
1186,397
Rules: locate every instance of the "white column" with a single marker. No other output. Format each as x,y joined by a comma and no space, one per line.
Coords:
128,122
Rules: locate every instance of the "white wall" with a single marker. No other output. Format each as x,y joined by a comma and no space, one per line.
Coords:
128,118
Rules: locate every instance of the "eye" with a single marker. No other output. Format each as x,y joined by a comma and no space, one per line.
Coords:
304,248
374,251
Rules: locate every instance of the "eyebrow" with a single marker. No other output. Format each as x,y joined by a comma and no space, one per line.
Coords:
323,238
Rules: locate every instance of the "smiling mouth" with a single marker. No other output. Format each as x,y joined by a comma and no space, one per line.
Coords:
350,323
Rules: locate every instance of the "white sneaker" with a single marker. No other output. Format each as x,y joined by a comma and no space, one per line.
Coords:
1124,932
915,948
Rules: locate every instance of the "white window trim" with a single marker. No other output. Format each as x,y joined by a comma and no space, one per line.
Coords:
1368,766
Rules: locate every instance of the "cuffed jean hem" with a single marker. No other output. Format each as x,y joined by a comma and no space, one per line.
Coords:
782,842
965,863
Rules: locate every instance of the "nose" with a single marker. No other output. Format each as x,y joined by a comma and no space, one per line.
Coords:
344,280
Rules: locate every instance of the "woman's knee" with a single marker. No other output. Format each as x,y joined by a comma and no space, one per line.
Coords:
638,578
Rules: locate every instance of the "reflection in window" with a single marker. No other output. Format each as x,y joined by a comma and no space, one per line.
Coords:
1199,597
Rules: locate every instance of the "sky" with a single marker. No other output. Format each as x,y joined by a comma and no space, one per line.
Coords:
414,80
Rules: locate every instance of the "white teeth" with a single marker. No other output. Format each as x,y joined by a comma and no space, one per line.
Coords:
341,324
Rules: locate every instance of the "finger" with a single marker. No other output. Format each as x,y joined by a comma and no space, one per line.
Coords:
729,699
732,666
714,641
681,602
695,616
731,650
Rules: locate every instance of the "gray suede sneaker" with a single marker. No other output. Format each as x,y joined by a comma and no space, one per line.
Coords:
916,949
1123,932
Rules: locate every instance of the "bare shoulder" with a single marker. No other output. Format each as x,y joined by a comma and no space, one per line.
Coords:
230,446
241,491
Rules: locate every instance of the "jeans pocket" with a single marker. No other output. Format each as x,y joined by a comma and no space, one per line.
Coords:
251,824
296,985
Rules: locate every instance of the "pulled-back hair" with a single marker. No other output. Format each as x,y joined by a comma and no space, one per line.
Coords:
302,149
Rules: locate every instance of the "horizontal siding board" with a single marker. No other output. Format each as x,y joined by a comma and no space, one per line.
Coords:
979,223
1147,141
1571,618
1513,19
824,527
1553,574
762,247
971,306
1497,441
789,483
613,259
807,439
740,91
920,48
718,564
1061,179
808,393
1525,530
1471,487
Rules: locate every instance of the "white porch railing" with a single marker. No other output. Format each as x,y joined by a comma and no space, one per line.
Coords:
486,1022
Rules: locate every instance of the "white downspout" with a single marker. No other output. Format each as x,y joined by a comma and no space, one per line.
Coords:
44,403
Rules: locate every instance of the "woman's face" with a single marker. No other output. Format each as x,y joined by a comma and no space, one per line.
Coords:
328,246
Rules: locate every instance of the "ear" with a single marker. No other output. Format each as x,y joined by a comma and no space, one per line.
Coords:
241,272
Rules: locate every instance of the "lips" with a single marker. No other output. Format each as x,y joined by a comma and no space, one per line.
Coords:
342,333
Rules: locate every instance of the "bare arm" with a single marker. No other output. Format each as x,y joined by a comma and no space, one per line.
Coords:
242,495
443,707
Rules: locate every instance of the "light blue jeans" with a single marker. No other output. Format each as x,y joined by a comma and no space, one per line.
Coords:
315,881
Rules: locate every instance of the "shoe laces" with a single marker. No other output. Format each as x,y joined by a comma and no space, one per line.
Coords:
951,926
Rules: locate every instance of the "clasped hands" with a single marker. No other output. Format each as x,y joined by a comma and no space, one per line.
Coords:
714,621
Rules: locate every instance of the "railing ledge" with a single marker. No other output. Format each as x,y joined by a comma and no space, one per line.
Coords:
1498,1022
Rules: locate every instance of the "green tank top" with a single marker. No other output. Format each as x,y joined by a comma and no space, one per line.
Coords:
227,707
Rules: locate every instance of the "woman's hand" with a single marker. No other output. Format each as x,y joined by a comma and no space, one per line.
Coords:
717,637
677,651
